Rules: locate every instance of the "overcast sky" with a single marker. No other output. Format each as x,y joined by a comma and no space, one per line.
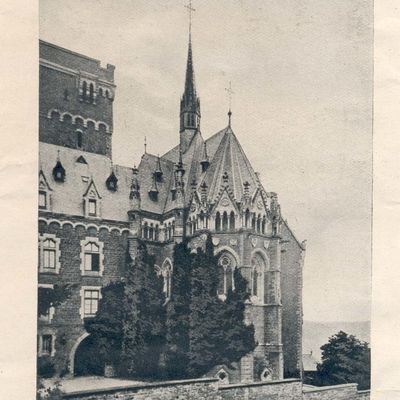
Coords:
301,71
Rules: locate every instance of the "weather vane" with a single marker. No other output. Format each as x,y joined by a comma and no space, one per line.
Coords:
190,11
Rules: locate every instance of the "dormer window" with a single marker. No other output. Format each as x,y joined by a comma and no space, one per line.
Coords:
42,200
92,207
111,182
92,201
59,172
44,193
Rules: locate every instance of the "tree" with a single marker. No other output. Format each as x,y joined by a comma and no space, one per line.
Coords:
106,327
205,310
237,337
345,359
178,311
143,317
53,297
218,333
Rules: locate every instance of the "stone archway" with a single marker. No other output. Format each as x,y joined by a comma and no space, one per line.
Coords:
83,359
86,358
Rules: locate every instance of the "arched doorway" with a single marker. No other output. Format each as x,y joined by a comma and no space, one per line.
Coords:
86,359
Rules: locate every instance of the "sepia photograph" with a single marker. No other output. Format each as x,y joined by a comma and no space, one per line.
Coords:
204,199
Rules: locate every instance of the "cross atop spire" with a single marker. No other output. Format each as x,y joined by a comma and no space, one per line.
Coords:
190,11
230,93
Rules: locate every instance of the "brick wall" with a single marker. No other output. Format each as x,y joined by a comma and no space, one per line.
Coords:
61,75
337,392
66,324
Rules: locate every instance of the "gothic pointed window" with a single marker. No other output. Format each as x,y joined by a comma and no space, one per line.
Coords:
258,267
145,231
202,220
218,222
263,225
259,223
247,218
226,267
225,221
255,282
232,221
151,232
253,222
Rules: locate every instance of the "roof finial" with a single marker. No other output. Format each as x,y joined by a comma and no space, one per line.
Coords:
230,93
145,145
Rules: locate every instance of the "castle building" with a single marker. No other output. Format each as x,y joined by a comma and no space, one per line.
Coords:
92,212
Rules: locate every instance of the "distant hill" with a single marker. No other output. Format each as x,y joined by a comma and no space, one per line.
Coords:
315,334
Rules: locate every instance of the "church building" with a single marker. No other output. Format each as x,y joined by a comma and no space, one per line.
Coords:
92,212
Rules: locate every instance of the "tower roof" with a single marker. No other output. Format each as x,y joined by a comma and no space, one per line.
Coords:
190,85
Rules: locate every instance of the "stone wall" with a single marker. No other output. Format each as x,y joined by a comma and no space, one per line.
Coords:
292,314
337,392
289,389
196,389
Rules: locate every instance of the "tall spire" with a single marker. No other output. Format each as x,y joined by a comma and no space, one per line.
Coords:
190,103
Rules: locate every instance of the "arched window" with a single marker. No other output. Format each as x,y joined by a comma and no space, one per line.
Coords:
157,233
173,229
247,218
202,224
91,93
84,90
169,231
259,223
166,271
255,282
263,225
145,231
100,92
232,221
253,222
218,222
226,267
258,267
79,138
151,232
107,94
225,221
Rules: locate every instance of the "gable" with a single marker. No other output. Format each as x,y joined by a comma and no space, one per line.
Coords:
43,184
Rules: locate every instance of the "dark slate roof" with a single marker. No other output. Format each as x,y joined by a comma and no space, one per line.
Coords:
67,196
